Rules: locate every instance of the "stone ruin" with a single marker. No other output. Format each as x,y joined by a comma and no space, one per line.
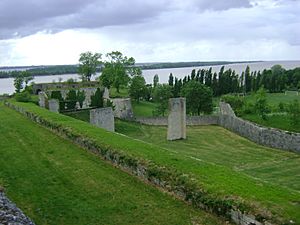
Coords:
122,108
103,117
177,119
43,98
54,105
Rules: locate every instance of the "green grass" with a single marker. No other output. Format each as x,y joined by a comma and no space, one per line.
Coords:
275,98
114,94
224,165
275,120
143,108
56,182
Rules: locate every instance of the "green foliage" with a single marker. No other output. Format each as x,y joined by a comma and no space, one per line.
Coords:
236,102
80,97
97,99
155,80
294,112
137,89
198,98
261,105
23,97
71,99
88,63
171,80
161,95
18,83
117,70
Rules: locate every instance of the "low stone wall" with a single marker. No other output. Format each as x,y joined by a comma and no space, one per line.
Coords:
190,120
262,135
10,213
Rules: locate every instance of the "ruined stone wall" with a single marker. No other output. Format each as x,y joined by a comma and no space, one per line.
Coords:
190,120
262,135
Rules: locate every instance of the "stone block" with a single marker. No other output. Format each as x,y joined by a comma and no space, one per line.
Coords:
42,99
177,119
103,117
54,105
123,108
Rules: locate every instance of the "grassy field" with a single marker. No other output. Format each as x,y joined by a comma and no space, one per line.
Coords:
143,108
56,182
276,120
225,164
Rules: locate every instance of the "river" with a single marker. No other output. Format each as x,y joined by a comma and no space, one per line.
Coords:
6,84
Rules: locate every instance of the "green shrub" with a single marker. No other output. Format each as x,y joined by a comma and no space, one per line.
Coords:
236,102
97,99
80,97
71,99
23,97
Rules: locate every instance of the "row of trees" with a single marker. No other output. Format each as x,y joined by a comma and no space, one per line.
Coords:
277,79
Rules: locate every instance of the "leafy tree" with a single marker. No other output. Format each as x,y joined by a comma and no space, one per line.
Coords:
80,97
71,99
18,83
117,70
161,95
97,99
294,112
171,80
155,80
236,102
261,106
198,98
137,88
88,63
27,77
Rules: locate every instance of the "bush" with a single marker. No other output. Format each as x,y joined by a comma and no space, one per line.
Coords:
294,112
71,99
97,99
236,102
23,96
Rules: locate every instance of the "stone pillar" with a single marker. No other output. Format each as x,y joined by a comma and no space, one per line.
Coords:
42,99
106,93
54,105
103,117
176,119
123,108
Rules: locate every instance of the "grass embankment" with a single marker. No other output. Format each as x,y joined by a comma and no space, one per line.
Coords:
215,178
274,119
55,182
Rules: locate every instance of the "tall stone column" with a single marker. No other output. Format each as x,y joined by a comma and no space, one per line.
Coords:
177,119
103,117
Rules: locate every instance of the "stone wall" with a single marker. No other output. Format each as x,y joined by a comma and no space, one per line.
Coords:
262,135
190,120
10,213
103,117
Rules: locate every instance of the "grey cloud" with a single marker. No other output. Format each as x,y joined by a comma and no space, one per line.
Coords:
20,18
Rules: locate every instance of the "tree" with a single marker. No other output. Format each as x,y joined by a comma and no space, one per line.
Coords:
88,63
294,112
117,70
18,83
155,80
261,106
137,88
97,99
161,95
198,98
171,80
27,77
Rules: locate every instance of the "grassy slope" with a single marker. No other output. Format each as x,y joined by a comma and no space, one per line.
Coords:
143,108
55,182
217,179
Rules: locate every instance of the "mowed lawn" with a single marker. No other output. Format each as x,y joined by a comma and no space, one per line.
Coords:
216,145
56,182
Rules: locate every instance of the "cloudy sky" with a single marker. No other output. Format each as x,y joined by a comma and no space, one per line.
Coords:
35,32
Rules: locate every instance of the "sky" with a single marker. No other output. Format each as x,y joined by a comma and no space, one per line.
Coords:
55,32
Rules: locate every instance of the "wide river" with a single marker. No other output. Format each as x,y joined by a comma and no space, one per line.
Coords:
6,84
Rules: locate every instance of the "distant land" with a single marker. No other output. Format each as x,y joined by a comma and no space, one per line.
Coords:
45,70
